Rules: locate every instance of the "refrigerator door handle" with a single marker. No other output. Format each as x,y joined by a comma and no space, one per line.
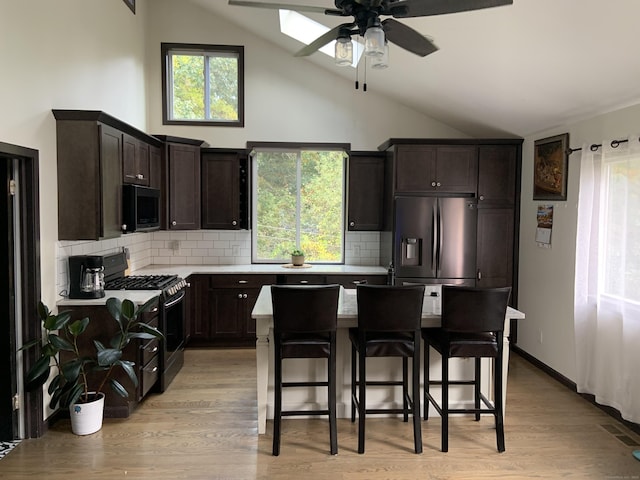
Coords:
435,258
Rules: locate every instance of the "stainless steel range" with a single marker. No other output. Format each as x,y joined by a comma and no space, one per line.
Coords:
172,310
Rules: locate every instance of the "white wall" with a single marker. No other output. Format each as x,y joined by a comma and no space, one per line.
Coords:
547,275
286,98
67,54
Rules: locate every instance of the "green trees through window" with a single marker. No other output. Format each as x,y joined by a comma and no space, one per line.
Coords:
203,84
298,203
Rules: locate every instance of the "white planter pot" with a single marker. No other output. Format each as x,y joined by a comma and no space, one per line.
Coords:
86,418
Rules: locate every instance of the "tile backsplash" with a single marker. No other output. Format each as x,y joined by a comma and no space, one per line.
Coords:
197,247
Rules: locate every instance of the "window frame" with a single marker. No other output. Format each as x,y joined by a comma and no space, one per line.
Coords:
291,147
168,48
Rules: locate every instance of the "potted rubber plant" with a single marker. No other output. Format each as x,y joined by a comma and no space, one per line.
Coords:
297,257
79,379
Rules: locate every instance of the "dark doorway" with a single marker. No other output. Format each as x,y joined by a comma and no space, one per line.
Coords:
19,289
8,383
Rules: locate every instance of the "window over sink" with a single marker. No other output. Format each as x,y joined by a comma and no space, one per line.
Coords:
202,84
298,202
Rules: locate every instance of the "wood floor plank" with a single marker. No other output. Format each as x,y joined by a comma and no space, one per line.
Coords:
205,427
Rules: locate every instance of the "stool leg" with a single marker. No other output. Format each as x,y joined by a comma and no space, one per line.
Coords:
362,397
415,370
476,387
333,432
354,382
277,407
425,370
445,403
498,397
405,389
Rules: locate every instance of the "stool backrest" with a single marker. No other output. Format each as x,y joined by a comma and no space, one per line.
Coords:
472,309
305,309
386,308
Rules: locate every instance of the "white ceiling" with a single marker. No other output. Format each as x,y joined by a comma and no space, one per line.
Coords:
507,71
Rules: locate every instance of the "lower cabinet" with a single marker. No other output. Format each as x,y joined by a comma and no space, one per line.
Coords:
144,353
221,309
220,305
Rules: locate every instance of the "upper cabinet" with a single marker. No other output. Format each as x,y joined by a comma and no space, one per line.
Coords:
365,191
135,161
498,175
90,151
436,168
181,183
224,189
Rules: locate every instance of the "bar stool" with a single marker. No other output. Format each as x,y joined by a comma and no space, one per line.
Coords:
304,326
472,326
388,326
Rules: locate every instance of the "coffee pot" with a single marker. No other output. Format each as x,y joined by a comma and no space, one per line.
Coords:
86,276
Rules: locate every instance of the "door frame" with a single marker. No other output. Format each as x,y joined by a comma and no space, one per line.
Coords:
30,284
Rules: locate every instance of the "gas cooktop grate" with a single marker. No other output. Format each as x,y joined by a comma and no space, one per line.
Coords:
141,282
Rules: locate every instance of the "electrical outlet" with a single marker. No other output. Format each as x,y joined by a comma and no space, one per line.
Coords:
174,245
356,250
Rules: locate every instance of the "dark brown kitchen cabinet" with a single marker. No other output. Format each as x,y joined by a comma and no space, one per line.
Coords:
89,180
90,151
496,247
352,281
365,191
155,167
498,169
436,168
181,176
224,186
135,161
222,317
144,353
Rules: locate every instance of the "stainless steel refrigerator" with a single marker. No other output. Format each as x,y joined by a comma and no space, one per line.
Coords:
434,240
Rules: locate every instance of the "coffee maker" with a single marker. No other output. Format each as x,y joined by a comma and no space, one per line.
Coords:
86,276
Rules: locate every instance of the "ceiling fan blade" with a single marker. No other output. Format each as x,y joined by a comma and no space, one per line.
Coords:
407,38
286,6
322,40
426,8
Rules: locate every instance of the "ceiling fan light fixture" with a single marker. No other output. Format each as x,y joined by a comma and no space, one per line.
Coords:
381,62
374,40
344,51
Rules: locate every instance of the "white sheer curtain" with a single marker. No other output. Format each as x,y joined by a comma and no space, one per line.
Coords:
607,288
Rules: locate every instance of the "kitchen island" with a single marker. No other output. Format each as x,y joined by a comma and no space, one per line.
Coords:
300,399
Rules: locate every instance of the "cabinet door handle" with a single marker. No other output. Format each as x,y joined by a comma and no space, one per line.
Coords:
239,295
433,184
154,349
131,176
352,224
304,282
140,176
154,370
243,281
479,275
234,223
438,184
174,223
244,295
359,282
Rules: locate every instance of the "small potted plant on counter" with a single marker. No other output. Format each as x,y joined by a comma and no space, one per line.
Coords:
297,257
79,379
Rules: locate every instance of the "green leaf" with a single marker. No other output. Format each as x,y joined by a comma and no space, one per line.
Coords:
151,330
118,340
72,396
43,311
60,343
48,350
39,373
142,335
118,388
108,356
30,344
128,367
56,322
57,382
114,305
148,305
71,370
79,326
128,309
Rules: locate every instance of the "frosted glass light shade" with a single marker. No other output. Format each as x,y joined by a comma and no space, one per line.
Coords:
374,42
344,51
381,62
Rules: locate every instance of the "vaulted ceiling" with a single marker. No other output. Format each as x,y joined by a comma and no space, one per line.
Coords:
507,71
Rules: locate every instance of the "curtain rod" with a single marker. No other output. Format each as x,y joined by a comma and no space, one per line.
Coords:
596,146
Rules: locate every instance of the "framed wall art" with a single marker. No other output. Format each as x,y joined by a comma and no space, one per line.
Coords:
131,4
550,165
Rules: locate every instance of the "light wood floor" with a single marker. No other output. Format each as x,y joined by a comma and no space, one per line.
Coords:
204,427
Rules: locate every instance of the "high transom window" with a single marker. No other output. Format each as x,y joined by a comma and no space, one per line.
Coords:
202,84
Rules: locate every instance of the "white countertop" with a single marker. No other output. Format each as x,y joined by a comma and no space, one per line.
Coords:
141,296
185,270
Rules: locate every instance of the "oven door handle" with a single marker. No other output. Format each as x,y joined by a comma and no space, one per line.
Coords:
175,300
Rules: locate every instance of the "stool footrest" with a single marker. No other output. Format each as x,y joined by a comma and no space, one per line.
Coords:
305,384
293,413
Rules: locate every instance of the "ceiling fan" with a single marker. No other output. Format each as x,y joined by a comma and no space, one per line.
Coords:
366,21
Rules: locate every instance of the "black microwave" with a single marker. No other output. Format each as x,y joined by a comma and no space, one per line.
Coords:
140,208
